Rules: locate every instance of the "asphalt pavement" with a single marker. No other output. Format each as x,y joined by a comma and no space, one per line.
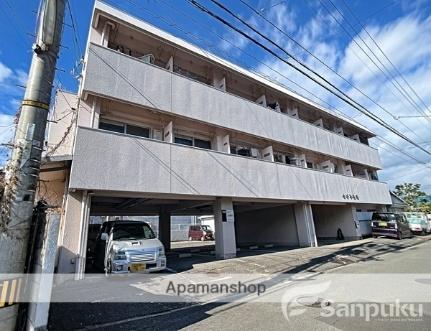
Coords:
340,264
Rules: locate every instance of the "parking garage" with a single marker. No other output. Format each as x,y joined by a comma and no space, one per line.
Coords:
237,224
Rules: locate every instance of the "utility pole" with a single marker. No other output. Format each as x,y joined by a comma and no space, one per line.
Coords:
23,169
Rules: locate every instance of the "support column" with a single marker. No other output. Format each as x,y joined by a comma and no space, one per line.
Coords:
104,40
221,143
305,225
95,113
74,222
165,229
224,222
168,133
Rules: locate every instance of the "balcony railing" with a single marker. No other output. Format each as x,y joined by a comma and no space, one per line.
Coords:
117,162
115,75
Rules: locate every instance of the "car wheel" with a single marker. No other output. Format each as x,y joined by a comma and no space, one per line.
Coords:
203,238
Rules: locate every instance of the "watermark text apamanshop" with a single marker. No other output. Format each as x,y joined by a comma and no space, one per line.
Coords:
215,288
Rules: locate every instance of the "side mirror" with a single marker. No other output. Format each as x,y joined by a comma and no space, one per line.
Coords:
104,236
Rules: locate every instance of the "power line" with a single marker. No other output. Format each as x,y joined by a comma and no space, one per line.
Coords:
340,94
324,64
77,44
201,24
389,76
386,57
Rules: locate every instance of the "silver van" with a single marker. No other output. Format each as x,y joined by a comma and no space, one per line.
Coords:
128,246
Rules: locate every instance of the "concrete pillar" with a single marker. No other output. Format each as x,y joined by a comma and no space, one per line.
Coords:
319,123
165,229
168,133
95,113
339,130
170,64
70,232
105,33
261,100
219,81
355,137
301,160
347,170
305,225
221,143
224,222
268,154
293,111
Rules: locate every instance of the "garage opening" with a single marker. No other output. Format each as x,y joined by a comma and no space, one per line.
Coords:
265,224
181,225
335,223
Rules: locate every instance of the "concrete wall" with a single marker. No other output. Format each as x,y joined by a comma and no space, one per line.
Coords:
69,233
267,226
118,162
62,132
115,75
327,220
52,185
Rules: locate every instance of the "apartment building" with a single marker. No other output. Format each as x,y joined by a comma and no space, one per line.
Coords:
162,127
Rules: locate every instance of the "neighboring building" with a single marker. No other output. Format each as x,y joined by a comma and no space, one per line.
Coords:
397,205
165,128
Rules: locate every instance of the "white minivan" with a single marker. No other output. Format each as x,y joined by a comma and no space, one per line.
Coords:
128,246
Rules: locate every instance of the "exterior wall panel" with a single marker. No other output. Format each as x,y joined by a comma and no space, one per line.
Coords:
114,75
118,162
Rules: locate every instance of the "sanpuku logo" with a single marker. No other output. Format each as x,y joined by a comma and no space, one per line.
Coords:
298,299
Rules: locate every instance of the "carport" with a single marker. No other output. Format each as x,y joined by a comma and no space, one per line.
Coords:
238,222
335,222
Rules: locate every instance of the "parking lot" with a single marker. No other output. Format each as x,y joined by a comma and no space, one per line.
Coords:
107,308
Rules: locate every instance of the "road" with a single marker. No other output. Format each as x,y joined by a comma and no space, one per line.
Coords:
268,315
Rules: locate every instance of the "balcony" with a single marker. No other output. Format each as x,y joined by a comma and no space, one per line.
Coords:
118,162
114,75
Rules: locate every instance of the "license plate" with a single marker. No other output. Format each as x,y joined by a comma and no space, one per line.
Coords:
137,267
383,224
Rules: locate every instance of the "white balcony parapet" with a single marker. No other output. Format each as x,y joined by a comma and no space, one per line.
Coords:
115,75
147,166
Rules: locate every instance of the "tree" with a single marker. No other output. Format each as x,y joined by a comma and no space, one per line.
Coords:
424,207
410,193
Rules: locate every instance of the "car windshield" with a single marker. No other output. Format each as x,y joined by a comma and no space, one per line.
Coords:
384,217
414,218
132,232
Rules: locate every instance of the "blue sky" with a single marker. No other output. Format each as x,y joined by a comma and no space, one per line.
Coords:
401,28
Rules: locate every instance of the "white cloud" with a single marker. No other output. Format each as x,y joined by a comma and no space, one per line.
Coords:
21,77
407,42
5,72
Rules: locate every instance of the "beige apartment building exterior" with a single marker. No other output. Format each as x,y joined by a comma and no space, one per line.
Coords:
162,127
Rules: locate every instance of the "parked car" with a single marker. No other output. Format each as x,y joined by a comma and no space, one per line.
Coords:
200,232
390,225
418,222
128,246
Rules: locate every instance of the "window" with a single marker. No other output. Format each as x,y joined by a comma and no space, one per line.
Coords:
138,131
190,141
202,143
111,127
310,165
184,141
244,151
